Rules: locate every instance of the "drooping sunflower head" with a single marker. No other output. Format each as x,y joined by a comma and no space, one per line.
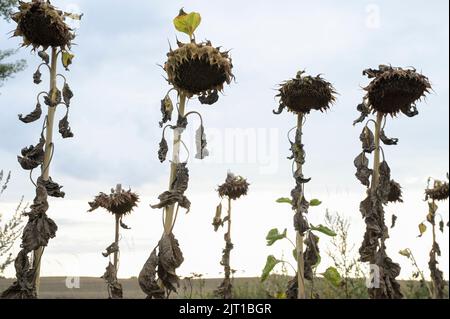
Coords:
119,202
198,69
41,24
234,187
440,191
394,89
305,93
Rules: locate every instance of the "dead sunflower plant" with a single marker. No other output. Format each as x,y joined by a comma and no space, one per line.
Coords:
392,90
301,95
43,27
119,203
194,69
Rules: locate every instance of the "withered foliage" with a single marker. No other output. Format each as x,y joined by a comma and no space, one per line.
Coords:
41,24
438,191
166,110
114,287
119,202
177,189
199,69
32,156
164,264
33,116
393,90
37,233
234,187
373,247
64,127
53,189
305,93
312,255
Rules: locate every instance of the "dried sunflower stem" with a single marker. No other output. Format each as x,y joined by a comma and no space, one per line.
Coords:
37,255
116,241
376,157
169,218
228,242
299,237
435,293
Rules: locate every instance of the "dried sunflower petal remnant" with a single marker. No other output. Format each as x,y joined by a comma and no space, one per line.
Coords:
305,93
198,69
41,24
234,187
394,89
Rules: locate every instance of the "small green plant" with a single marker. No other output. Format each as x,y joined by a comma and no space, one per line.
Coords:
418,273
437,191
311,255
301,95
193,70
392,90
119,203
347,280
43,27
11,229
233,188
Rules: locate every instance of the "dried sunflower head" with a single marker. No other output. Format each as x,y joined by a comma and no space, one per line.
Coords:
394,89
440,191
305,93
198,69
234,187
41,24
119,202
395,192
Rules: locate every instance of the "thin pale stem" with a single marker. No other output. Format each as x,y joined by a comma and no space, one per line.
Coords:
116,241
376,157
435,293
48,154
168,222
299,237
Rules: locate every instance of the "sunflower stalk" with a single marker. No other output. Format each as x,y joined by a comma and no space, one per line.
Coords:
45,170
177,135
376,155
300,237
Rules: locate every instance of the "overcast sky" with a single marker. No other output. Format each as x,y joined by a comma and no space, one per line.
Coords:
115,112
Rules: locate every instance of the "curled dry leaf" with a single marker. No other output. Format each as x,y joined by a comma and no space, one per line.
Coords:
386,140
365,112
33,116
393,220
37,77
368,140
170,258
114,287
111,249
166,110
67,94
163,150
64,127
44,56
217,221
201,143
147,278
363,172
388,272
311,255
32,156
177,189
53,189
